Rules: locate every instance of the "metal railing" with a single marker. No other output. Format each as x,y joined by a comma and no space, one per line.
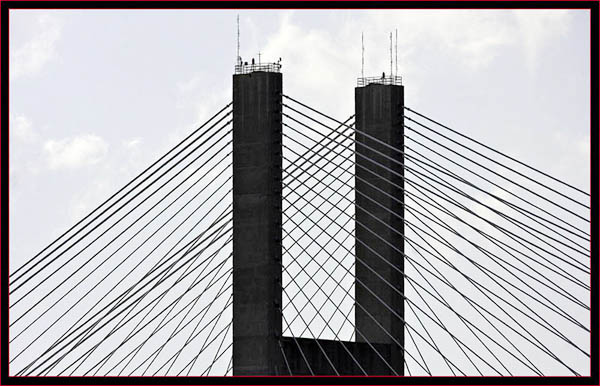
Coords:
388,80
248,68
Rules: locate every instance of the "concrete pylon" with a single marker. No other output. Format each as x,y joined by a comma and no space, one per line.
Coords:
257,223
258,347
379,310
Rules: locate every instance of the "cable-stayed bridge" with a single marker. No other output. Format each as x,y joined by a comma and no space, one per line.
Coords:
277,239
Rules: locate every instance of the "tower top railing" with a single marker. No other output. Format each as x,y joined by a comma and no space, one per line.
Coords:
386,80
265,67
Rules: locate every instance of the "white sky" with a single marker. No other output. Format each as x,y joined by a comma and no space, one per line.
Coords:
96,96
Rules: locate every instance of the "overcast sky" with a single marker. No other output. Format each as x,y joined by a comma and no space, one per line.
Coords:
95,96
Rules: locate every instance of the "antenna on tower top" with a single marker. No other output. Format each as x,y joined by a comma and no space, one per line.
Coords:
396,51
239,59
362,40
391,64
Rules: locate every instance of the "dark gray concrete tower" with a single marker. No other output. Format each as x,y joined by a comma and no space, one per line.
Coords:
379,218
257,223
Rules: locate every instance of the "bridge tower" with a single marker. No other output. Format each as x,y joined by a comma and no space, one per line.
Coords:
379,208
257,250
257,223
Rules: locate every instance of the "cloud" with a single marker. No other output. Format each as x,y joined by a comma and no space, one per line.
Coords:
23,158
538,29
71,153
132,157
21,129
324,64
198,99
583,145
132,143
471,38
31,57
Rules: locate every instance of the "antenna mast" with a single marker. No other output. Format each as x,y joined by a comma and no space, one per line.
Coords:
362,40
239,60
396,51
391,65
